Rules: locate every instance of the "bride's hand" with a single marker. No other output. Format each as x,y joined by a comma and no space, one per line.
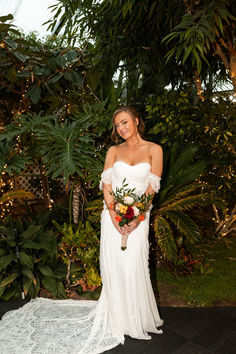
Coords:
133,225
121,230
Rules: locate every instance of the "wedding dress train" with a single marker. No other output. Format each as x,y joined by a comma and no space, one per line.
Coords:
126,306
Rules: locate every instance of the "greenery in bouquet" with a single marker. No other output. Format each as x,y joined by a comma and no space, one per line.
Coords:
128,205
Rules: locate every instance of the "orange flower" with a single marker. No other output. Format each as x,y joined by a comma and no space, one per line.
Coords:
141,217
139,205
118,218
111,206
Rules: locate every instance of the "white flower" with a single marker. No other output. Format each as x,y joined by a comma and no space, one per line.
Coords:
117,207
136,211
128,200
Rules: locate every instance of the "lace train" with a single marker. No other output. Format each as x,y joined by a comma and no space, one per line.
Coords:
57,326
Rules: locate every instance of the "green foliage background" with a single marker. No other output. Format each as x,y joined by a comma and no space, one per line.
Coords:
57,100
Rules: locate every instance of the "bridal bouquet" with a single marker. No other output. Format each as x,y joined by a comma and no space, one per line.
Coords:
128,206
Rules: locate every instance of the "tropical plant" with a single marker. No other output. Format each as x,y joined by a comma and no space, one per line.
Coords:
28,258
208,125
39,76
207,29
79,250
12,160
128,37
125,36
64,148
16,194
181,191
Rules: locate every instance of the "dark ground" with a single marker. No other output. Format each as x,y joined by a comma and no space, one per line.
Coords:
186,331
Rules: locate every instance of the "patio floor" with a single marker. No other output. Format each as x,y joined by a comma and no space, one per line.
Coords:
186,331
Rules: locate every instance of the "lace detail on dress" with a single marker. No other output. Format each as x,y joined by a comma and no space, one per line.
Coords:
106,177
58,327
154,182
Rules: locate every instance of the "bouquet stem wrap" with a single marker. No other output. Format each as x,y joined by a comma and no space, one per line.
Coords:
124,242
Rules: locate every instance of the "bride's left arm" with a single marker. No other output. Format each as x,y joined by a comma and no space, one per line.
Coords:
156,153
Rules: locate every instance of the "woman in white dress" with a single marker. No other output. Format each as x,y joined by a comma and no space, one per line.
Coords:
127,305
126,278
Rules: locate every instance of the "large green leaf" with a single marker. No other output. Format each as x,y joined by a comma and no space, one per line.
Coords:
11,162
61,290
20,56
9,293
3,252
36,245
6,18
26,260
5,260
9,279
47,271
30,231
63,151
26,284
51,285
34,92
29,274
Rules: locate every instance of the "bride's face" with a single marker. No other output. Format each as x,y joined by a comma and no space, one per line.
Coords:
125,125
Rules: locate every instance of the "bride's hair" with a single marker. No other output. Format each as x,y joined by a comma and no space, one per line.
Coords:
133,114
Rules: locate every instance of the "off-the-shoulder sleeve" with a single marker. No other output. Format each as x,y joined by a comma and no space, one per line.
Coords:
106,177
154,182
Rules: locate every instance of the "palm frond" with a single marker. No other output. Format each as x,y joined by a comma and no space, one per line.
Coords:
181,161
95,204
17,194
165,238
189,173
181,170
185,225
185,190
95,208
187,203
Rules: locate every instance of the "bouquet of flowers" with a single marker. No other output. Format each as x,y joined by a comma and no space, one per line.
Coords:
128,206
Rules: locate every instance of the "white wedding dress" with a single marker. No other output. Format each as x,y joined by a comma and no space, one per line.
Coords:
126,305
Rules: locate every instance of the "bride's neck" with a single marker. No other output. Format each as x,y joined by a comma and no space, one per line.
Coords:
133,141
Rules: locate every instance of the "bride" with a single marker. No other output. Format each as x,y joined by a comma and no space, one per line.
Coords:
127,305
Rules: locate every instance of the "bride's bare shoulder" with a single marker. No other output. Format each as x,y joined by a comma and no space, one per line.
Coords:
155,147
110,157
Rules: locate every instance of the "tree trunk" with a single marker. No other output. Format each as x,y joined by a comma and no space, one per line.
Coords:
225,227
76,201
230,65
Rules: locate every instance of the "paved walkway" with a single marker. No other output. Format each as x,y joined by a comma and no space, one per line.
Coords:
186,331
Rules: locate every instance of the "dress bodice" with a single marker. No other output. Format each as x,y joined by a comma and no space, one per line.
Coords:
136,176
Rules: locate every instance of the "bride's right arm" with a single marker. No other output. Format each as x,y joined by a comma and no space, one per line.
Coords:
106,181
